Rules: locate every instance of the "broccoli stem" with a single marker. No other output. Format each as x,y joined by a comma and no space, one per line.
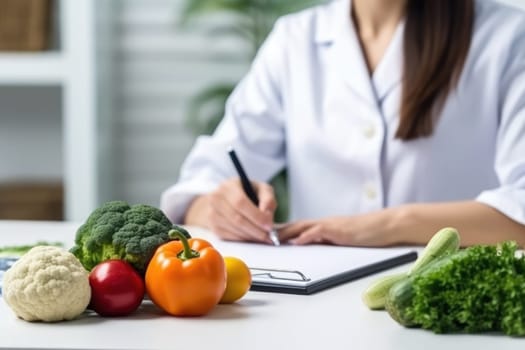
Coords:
187,253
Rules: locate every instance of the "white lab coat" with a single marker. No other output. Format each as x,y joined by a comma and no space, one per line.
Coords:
308,103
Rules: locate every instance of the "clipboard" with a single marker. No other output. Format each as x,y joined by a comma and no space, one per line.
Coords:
306,270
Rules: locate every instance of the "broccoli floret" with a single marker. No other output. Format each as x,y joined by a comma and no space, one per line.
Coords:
479,289
117,230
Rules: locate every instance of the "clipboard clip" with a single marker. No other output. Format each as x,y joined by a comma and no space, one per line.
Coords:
278,274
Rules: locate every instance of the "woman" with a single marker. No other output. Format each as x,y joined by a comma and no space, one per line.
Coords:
394,118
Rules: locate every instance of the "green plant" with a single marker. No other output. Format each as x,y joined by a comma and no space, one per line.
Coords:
252,21
253,18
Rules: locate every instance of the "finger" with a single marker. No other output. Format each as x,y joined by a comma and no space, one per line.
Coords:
228,218
313,235
242,204
294,229
267,202
227,235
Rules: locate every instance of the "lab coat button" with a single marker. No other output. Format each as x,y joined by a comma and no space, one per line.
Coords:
369,131
370,192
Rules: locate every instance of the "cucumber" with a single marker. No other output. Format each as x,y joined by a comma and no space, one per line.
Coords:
399,298
443,243
374,296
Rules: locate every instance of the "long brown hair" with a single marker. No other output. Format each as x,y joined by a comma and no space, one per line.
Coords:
436,44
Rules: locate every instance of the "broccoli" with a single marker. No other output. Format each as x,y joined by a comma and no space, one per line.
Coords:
481,288
117,230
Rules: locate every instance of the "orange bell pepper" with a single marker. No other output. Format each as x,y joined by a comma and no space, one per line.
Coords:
186,277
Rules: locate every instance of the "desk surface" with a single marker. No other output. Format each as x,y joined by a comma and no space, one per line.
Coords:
333,319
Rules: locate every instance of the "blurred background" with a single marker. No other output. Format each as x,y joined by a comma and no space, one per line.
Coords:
102,99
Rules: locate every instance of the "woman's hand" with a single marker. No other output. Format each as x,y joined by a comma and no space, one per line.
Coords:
411,224
230,213
360,230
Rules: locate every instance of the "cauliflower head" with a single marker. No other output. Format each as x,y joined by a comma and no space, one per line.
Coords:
47,284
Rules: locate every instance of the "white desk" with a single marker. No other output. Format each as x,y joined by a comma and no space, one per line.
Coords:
333,319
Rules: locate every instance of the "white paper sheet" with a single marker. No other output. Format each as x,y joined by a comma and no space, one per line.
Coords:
315,262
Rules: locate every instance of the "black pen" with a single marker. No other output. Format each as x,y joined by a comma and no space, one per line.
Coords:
250,192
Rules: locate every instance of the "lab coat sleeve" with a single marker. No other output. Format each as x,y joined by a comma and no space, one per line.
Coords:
509,198
252,125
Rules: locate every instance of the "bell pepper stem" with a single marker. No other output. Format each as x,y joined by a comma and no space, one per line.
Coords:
187,253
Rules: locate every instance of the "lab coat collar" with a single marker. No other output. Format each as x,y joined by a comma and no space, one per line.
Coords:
326,26
336,30
389,72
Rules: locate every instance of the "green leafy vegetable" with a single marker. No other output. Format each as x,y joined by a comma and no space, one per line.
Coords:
19,250
481,288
